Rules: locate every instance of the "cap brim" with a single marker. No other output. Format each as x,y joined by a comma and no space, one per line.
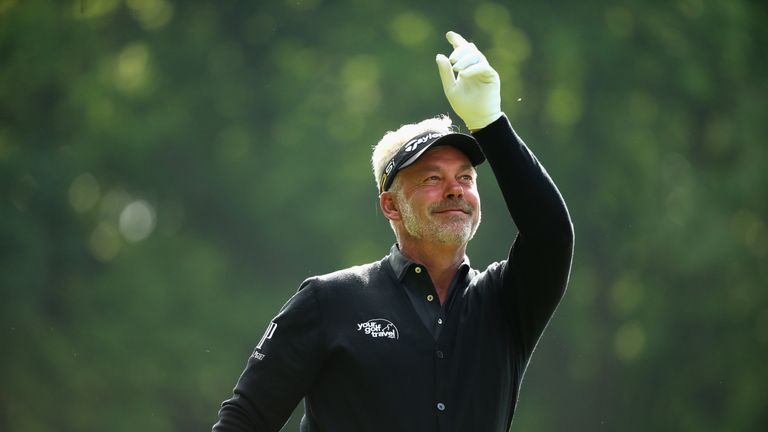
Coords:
467,144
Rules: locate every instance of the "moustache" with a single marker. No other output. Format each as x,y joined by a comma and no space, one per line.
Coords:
452,205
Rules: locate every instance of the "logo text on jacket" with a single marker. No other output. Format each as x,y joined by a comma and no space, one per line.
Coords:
379,328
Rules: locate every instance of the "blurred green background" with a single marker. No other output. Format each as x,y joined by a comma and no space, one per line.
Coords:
171,171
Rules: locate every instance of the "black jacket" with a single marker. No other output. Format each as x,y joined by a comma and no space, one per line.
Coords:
352,345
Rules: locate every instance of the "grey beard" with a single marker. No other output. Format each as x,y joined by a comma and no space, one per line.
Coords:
458,230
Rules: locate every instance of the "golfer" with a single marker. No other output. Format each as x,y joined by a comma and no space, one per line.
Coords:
419,340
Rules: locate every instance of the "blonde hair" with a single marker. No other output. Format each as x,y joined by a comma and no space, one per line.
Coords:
393,140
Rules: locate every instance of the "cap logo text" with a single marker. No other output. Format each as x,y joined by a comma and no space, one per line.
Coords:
414,144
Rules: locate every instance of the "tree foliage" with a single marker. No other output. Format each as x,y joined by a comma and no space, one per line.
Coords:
171,171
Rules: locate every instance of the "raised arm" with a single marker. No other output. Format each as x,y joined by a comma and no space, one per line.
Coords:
535,275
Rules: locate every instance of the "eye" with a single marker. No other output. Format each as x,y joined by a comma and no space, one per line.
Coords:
432,179
466,178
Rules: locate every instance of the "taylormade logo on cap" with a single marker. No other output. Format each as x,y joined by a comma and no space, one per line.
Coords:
413,149
414,144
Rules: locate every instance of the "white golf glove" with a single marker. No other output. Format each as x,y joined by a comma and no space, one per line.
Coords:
475,93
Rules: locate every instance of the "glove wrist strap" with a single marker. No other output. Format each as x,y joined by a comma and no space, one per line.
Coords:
479,123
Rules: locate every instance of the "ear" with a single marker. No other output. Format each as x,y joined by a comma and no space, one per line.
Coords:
389,206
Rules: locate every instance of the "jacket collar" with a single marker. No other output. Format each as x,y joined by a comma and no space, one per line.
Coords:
401,264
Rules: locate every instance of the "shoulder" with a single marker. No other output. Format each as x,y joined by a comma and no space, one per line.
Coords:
349,289
491,275
331,288
351,278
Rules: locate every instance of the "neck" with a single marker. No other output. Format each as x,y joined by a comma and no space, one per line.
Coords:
441,260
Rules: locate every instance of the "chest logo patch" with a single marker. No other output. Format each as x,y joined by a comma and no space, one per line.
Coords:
379,328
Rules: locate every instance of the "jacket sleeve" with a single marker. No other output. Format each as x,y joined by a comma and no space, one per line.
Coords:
280,370
534,277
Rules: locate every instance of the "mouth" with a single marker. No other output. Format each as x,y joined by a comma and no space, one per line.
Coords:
455,208
453,211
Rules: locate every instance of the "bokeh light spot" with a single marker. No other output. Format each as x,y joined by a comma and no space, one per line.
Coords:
410,29
137,221
492,15
629,341
361,83
89,9
105,242
84,192
511,44
6,5
751,230
152,14
131,72
563,106
626,295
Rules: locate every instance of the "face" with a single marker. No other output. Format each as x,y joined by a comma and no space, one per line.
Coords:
437,197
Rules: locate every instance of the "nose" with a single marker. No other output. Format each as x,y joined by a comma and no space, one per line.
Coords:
454,190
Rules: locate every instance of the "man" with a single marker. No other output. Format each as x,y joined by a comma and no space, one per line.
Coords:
419,341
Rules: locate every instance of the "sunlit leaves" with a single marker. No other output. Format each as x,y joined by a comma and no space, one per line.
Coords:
171,172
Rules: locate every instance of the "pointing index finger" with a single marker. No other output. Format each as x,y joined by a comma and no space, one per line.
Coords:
455,39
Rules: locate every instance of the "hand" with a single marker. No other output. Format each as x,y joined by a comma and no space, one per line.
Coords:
475,93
